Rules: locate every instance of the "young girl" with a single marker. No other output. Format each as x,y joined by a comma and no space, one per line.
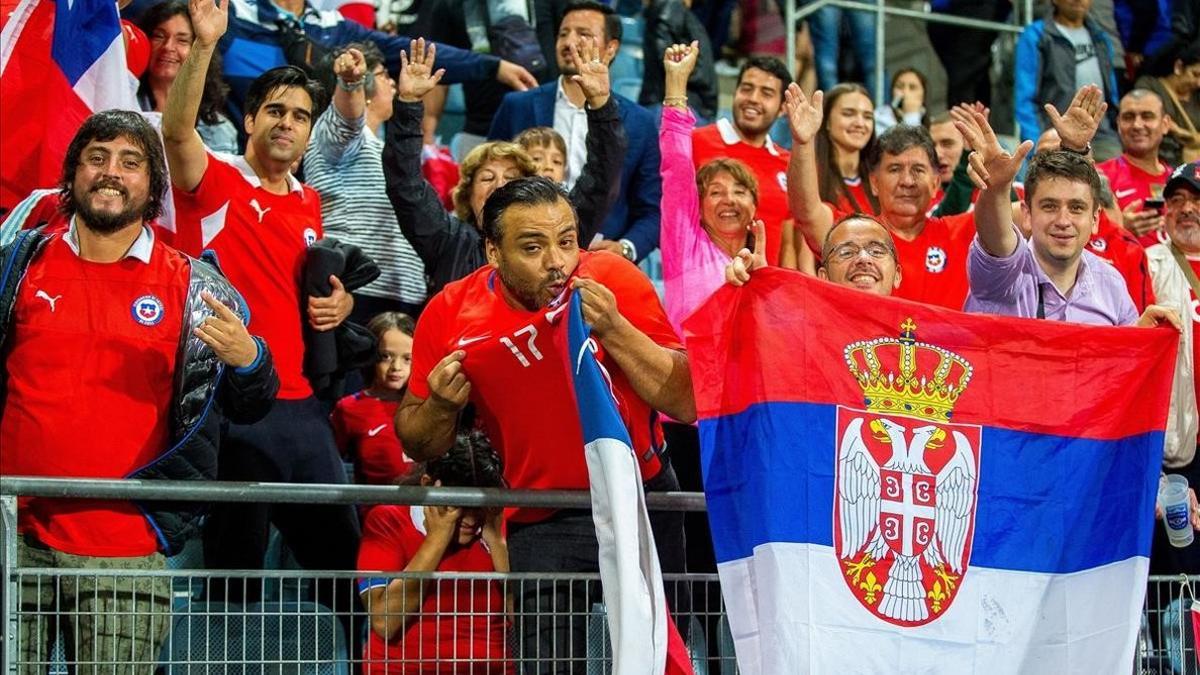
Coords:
362,422
452,625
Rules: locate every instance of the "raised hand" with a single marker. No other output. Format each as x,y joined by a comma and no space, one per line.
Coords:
1078,124
441,522
350,67
804,116
209,20
679,60
737,272
992,165
417,76
592,75
448,384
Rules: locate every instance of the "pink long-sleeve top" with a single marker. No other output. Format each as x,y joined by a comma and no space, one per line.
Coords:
693,266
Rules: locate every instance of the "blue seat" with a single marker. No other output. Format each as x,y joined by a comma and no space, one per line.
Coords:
627,64
301,638
629,87
633,30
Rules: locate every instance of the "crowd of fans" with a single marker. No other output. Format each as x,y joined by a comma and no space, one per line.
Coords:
402,324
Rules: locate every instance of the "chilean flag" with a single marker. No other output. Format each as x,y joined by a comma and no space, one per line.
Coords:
644,639
60,61
895,487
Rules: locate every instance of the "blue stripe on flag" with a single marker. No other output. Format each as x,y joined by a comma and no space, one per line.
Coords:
83,31
597,410
1046,503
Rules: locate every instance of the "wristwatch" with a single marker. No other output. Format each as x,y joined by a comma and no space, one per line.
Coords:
627,249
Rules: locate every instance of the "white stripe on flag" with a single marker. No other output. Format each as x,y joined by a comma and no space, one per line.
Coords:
633,587
108,84
791,612
12,30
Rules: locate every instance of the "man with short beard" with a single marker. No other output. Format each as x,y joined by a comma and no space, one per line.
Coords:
112,348
488,340
757,102
259,220
1137,174
631,228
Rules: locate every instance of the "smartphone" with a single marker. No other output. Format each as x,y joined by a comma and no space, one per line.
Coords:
1154,204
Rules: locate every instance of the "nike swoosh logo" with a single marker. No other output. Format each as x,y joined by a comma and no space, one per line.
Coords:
463,341
376,430
1122,194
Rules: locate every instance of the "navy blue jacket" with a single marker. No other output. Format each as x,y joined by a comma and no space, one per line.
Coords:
635,215
251,46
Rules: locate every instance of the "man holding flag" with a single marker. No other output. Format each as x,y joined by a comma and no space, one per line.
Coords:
496,339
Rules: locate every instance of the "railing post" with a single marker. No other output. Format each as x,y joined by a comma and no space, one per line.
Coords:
882,97
789,23
8,567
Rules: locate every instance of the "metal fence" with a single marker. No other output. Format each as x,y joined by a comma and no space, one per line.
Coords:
188,620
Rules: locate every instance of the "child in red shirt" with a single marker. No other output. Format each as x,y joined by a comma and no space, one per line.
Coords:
451,625
362,422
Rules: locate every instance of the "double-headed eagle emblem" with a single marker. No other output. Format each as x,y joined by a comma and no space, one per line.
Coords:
906,479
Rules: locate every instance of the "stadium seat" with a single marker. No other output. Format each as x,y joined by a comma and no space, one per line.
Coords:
629,87
626,65
633,31
303,638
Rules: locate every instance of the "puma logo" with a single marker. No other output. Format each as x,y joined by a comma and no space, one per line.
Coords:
259,210
46,296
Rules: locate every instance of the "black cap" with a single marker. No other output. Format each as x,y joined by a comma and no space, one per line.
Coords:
1184,174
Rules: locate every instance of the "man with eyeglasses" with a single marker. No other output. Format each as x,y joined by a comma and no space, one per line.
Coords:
858,252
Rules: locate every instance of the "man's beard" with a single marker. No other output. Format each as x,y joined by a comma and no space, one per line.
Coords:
102,222
528,295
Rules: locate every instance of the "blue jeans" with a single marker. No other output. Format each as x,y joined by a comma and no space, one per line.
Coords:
825,26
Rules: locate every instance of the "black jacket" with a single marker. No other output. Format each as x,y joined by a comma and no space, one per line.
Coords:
450,248
205,391
668,22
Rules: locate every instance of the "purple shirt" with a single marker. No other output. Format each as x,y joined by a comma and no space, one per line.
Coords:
1009,286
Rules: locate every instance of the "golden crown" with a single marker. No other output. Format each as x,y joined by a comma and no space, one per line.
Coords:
892,374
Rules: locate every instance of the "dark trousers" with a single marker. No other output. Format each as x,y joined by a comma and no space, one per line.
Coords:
292,444
367,306
552,616
966,53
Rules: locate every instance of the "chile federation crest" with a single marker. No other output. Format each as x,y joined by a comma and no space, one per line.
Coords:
905,489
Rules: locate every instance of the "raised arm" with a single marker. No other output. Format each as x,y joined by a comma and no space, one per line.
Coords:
339,129
187,158
813,216
996,169
599,183
423,220
681,199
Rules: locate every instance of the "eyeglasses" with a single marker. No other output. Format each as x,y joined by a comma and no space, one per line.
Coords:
850,251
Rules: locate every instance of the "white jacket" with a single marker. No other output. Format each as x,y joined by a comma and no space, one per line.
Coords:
1171,289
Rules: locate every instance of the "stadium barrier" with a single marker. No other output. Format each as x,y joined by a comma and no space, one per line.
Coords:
299,621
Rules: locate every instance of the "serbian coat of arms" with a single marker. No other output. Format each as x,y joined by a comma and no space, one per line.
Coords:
906,479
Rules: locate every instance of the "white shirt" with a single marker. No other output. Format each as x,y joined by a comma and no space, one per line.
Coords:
139,249
570,121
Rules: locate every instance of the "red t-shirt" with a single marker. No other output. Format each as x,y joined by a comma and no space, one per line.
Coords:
461,625
260,239
769,164
860,204
519,381
91,366
1119,247
1195,327
933,266
362,425
1129,184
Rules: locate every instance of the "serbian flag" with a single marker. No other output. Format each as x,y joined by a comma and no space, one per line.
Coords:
644,639
899,488
59,62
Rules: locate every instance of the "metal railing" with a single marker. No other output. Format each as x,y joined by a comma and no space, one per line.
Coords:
189,620
792,14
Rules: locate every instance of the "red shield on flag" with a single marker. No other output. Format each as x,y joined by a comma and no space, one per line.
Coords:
904,511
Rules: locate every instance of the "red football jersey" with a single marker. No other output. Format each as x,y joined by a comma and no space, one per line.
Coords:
461,624
1119,247
860,204
90,370
362,425
260,239
769,164
1129,184
933,265
519,384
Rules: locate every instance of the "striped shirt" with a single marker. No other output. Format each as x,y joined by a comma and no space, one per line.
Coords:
344,164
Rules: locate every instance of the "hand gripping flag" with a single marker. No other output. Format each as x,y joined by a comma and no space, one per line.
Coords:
899,488
60,61
644,639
